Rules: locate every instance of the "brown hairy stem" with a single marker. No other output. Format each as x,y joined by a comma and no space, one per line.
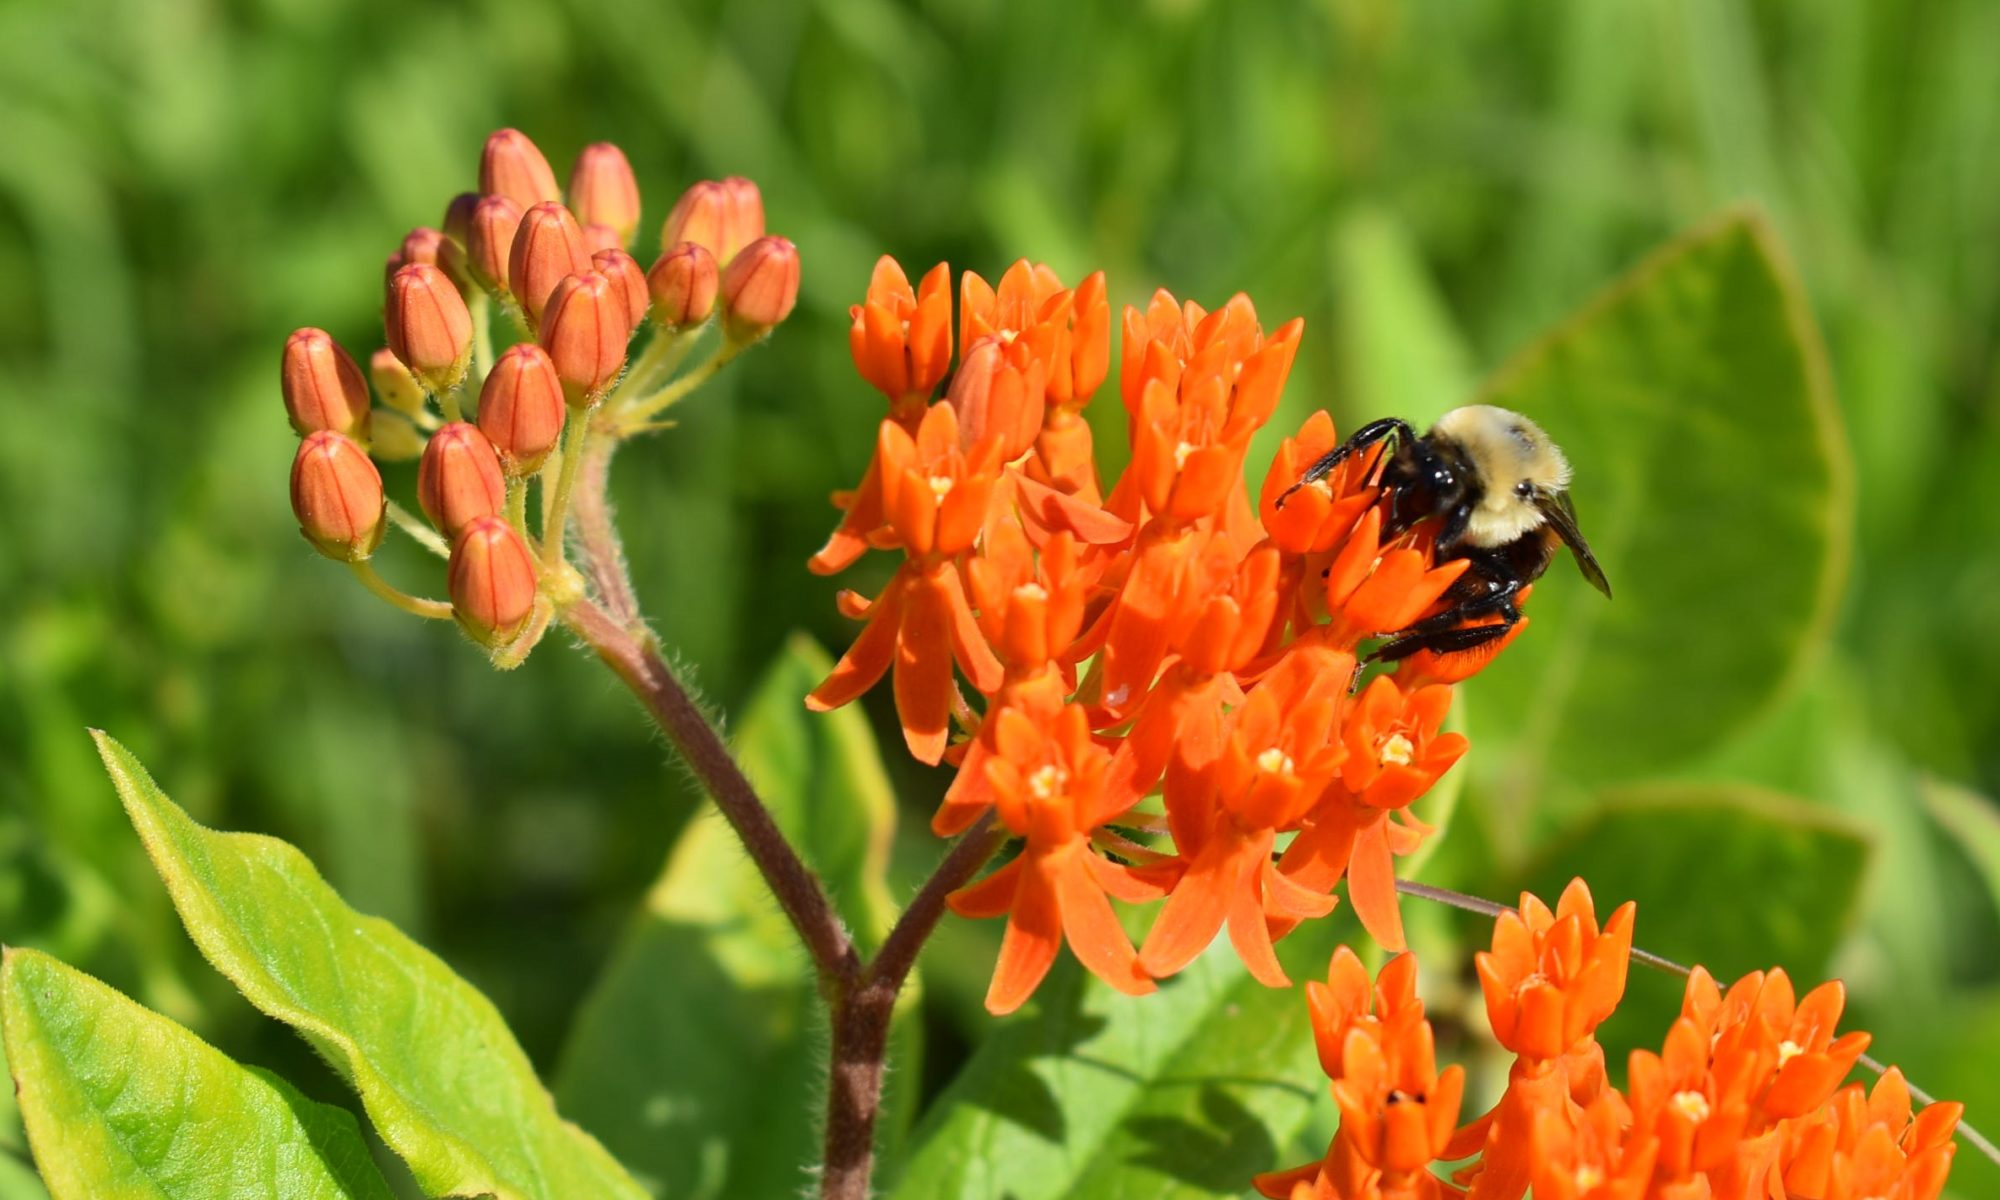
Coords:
861,996
635,658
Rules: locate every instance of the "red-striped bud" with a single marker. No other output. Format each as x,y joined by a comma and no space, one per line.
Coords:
459,479
585,330
512,166
521,408
492,581
394,385
628,278
428,326
722,216
323,386
337,496
490,240
458,217
684,284
598,238
760,288
603,190
548,248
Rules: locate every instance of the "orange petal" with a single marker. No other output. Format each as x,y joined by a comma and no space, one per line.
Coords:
865,661
1193,914
1371,887
923,683
1094,934
991,896
975,657
1034,931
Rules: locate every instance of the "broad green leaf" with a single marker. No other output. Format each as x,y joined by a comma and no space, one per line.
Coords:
1712,479
122,1103
1733,877
442,1079
699,1056
1091,1094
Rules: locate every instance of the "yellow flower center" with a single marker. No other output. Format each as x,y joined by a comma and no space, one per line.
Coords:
941,485
1789,1050
1588,1176
1274,762
1399,750
1692,1105
1047,782
1181,453
1031,591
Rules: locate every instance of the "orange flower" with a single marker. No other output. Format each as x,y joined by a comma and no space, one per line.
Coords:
1866,1144
1196,386
1315,518
1000,392
1394,750
901,339
1552,978
1030,610
1396,1109
934,495
1277,753
1374,589
1048,787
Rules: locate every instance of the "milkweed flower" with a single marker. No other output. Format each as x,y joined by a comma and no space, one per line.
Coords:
1048,787
1211,644
1744,1102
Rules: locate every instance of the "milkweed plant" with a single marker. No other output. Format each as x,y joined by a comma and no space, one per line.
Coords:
1152,695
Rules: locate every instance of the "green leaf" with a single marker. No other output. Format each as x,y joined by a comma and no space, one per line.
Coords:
443,1080
121,1102
1185,1093
1733,877
698,1058
1712,479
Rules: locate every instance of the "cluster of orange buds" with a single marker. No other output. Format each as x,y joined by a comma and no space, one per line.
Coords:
1204,648
1745,1102
549,269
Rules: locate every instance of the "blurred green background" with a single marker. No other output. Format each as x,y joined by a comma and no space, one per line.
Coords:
1429,184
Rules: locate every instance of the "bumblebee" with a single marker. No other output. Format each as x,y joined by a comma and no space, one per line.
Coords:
1499,489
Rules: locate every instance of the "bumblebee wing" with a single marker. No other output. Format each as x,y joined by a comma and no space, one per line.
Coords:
1562,518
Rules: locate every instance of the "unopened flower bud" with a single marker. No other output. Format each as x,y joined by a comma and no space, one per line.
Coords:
337,496
585,330
394,385
512,166
458,217
323,386
600,237
490,240
521,408
459,479
492,581
426,245
760,287
393,437
548,247
603,190
428,326
723,216
628,278
684,284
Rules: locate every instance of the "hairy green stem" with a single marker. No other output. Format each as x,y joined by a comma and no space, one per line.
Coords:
436,610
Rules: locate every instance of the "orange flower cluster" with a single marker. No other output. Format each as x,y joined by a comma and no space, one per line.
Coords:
1162,636
1744,1103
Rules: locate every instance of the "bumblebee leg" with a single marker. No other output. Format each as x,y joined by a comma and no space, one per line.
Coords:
1446,641
1498,600
1363,437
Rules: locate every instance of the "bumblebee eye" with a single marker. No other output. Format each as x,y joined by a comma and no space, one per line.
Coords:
1525,490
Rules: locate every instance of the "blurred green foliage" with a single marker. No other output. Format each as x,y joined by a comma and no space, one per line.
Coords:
1430,184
